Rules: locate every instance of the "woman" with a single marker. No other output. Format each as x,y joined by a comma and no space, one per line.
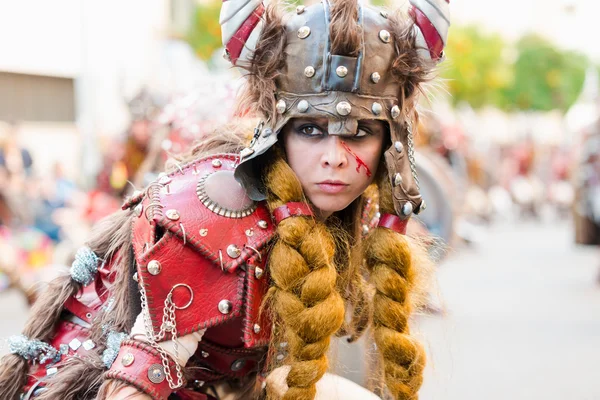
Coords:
206,288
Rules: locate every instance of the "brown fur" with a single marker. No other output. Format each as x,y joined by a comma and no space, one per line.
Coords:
344,31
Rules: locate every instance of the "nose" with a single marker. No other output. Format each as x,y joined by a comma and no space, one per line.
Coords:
334,155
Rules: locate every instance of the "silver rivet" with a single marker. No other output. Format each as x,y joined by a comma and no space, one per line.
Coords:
397,179
376,108
309,72
375,77
205,354
198,384
127,359
156,373
88,315
262,224
88,345
250,232
300,9
173,215
246,152
303,106
225,306
256,328
343,108
423,205
138,210
341,71
395,111
281,106
233,251
399,146
203,232
258,272
238,364
303,32
154,267
267,132
217,163
384,14
135,277
407,208
74,344
384,36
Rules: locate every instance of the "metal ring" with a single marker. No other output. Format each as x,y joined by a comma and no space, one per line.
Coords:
189,303
256,251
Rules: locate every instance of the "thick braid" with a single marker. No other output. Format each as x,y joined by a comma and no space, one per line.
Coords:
388,257
304,294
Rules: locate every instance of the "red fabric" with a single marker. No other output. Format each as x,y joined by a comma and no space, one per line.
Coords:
136,374
238,41
292,209
394,223
432,36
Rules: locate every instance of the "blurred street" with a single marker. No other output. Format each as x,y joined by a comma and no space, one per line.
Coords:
521,321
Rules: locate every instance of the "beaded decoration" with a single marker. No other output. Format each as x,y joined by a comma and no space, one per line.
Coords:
33,349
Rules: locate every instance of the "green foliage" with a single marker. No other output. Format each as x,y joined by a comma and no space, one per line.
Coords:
205,32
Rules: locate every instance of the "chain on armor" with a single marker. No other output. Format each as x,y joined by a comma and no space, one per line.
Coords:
411,155
168,324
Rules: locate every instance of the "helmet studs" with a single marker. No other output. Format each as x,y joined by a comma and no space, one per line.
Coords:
395,112
281,106
376,108
309,71
343,108
384,35
300,9
375,77
397,179
303,106
407,209
303,32
341,71
399,146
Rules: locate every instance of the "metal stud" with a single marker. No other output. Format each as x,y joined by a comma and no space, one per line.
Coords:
238,364
203,232
156,373
395,112
262,224
205,354
303,32
154,267
233,251
266,133
225,306
173,215
375,77
376,108
385,36
246,152
341,71
135,277
250,232
127,359
423,206
256,328
309,71
217,163
281,106
399,146
300,9
343,108
259,272
303,106
407,208
75,344
397,179
384,14
88,345
138,210
198,383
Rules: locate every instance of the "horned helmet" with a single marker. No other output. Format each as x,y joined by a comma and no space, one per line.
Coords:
308,79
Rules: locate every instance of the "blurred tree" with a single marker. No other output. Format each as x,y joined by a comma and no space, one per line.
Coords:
545,78
476,69
205,32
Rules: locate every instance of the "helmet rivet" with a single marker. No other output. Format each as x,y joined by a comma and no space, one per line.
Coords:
399,146
397,179
225,306
309,71
423,205
407,208
303,106
281,106
217,163
343,108
375,77
233,251
384,14
341,71
267,132
154,267
173,215
262,224
300,9
303,32
395,112
376,108
384,36
127,359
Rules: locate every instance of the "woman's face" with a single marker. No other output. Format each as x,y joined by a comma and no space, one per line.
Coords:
334,170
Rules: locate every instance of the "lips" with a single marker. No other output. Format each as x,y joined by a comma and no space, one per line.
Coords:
332,186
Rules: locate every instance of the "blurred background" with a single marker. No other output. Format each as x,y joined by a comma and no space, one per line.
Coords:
95,96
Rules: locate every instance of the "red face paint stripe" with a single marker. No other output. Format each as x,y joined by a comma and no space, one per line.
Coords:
359,162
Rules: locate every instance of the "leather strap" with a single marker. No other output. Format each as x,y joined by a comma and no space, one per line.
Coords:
292,209
134,364
394,223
